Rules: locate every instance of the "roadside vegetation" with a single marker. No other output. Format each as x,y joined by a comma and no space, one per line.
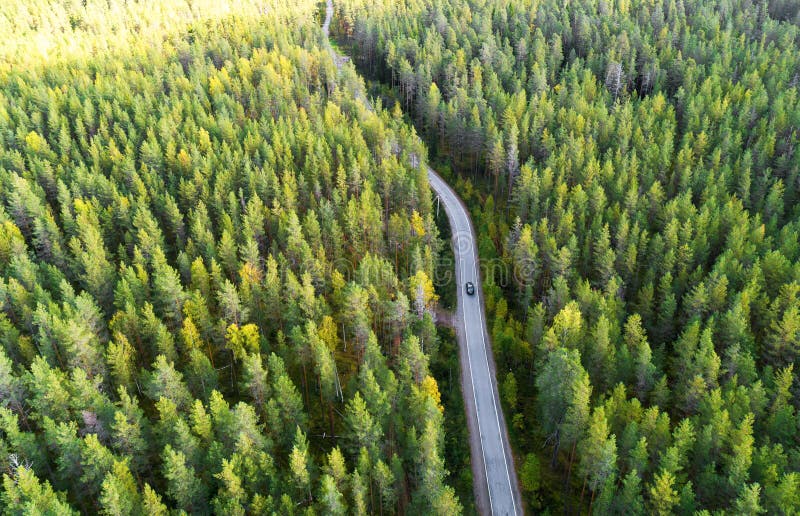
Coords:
634,166
216,272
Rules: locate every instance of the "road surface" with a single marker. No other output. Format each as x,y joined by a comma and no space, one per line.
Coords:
492,462
326,25
494,479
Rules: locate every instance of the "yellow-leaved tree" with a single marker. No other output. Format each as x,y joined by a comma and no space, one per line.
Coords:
422,292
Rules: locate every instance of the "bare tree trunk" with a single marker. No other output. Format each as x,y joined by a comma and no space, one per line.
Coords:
583,489
571,458
305,385
555,451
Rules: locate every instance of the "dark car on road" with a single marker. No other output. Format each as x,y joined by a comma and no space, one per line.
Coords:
470,288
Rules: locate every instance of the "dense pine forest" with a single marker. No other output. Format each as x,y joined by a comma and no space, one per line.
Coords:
633,170
216,270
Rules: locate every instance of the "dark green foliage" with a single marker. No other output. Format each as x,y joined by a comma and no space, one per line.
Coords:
208,252
633,166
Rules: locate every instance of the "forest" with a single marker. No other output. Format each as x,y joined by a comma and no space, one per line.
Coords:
633,165
216,269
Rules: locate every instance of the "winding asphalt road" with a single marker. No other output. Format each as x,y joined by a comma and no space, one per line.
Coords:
488,436
494,479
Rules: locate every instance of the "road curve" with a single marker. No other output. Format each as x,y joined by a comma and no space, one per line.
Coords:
494,479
